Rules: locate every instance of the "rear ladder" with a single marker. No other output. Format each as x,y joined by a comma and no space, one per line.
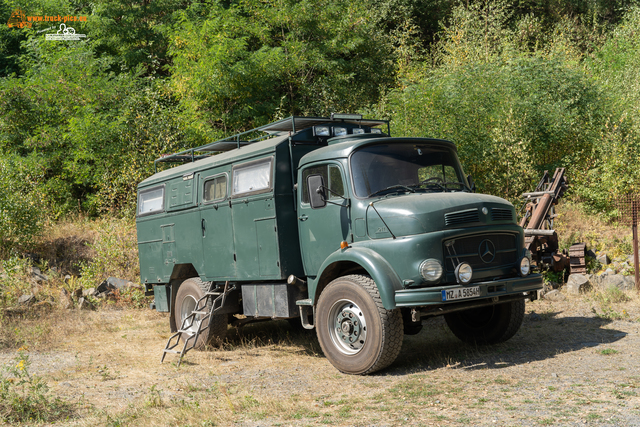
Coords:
217,296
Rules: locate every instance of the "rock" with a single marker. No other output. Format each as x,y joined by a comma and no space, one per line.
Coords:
91,292
117,283
631,259
592,254
106,287
27,300
65,301
84,304
604,259
37,275
619,281
578,283
534,317
555,295
77,294
608,271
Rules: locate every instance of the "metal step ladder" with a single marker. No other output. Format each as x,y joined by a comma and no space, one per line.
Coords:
217,296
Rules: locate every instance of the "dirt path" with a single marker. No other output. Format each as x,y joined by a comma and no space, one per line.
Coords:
566,366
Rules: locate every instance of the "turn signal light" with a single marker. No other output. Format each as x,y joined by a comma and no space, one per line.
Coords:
344,244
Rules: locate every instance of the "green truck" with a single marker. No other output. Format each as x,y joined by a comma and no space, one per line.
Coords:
332,223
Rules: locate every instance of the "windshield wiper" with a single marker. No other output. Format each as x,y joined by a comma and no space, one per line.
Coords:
393,187
442,184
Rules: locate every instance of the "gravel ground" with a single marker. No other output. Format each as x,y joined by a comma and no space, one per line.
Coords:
567,366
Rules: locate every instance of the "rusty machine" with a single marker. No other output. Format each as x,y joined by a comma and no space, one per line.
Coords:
537,221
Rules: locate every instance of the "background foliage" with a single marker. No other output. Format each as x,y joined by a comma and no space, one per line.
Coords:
520,85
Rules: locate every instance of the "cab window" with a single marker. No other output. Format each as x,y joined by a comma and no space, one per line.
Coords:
332,178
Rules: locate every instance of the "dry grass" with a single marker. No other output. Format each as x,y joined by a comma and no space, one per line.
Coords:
65,244
574,225
566,366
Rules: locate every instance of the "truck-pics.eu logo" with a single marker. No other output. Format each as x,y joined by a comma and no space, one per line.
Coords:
19,19
65,33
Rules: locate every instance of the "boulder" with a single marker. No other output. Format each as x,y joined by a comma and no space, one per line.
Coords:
591,254
604,259
578,283
65,302
84,304
117,283
555,295
27,300
37,276
91,292
619,281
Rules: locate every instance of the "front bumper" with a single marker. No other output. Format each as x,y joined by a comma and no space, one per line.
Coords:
495,288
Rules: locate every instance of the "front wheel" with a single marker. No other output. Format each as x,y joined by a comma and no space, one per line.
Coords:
189,292
356,333
487,325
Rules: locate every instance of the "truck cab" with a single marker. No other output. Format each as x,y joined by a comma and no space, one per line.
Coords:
360,235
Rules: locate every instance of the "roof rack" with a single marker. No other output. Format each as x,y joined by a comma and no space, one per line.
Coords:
289,125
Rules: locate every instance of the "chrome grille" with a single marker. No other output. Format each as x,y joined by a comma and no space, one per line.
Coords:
481,252
498,214
461,217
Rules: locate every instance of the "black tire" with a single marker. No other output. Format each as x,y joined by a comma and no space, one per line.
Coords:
487,325
354,303
189,292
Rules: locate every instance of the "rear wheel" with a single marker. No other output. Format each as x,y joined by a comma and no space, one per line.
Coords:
189,292
487,325
356,333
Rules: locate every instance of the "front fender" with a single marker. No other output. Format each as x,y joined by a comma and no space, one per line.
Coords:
376,266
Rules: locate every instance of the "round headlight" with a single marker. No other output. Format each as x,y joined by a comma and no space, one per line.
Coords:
431,270
525,266
464,273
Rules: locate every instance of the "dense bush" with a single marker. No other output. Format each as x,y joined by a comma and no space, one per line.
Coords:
521,86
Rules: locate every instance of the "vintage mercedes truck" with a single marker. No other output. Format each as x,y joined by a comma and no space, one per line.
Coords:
333,222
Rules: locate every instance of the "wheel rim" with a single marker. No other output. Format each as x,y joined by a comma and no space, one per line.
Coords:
347,327
187,306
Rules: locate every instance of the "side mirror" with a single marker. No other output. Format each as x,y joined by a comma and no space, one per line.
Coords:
472,184
317,196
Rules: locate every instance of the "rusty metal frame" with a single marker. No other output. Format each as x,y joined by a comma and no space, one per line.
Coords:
629,210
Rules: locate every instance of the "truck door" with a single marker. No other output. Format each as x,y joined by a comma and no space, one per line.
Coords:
217,225
322,230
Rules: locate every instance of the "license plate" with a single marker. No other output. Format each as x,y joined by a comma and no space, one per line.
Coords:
461,293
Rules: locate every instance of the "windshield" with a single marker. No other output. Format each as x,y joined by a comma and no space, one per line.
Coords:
385,168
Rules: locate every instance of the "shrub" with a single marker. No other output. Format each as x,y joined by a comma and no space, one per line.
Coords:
25,397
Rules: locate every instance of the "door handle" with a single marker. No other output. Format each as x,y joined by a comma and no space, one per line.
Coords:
303,217
203,225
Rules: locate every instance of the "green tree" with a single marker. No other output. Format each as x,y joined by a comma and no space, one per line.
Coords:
241,64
